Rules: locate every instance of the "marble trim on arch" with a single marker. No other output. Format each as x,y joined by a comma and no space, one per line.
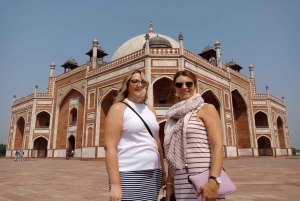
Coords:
203,62
121,71
208,74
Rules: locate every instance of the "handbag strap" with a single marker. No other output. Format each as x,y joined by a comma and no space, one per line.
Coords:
140,118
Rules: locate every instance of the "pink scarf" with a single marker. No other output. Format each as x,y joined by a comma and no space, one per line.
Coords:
175,137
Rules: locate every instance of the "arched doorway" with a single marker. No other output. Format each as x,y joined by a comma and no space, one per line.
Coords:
39,148
162,135
163,93
209,97
71,143
71,116
280,133
261,120
43,120
241,121
264,146
19,134
105,105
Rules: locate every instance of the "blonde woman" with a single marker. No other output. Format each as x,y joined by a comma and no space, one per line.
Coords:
134,159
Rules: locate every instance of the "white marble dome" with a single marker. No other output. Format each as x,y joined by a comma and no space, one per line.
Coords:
136,43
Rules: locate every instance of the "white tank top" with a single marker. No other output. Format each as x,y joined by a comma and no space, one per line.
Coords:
137,149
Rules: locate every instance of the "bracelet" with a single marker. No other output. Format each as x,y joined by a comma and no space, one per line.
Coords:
170,184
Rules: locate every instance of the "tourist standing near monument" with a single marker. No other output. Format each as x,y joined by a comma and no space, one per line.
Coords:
134,159
16,155
193,136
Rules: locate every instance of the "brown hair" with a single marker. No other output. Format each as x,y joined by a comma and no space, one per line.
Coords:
185,73
123,91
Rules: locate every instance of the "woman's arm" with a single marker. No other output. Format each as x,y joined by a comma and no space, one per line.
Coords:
112,134
211,119
161,157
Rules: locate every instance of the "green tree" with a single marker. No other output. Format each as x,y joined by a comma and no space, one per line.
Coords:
2,149
294,150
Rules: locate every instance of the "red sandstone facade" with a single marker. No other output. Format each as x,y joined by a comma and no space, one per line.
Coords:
71,115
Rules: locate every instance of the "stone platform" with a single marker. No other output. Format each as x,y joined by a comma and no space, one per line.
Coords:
257,179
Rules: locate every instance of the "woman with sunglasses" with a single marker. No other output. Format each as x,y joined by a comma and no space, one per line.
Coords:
193,137
134,159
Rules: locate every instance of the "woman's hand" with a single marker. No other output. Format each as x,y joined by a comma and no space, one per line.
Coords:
209,191
163,179
169,191
115,193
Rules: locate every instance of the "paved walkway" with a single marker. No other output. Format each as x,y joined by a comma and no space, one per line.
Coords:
257,179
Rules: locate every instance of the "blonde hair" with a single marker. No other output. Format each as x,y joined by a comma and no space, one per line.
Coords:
123,91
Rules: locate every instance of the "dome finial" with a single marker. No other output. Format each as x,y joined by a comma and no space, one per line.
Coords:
151,27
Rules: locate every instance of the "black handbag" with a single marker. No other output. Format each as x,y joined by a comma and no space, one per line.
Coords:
172,198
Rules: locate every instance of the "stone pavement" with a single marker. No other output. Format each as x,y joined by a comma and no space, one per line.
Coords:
257,179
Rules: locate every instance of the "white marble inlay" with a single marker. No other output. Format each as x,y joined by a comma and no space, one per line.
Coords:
207,74
164,63
72,128
101,152
41,131
277,106
259,102
245,152
44,102
74,102
161,111
23,105
11,130
90,115
115,73
88,152
262,130
228,115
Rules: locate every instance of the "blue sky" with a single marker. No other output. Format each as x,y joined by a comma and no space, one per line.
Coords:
33,34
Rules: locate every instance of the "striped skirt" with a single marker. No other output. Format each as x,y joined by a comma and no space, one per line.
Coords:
140,185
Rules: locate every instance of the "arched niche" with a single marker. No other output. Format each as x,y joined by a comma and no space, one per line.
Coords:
280,133
264,146
20,128
106,103
42,120
261,120
40,145
241,120
211,98
163,93
70,114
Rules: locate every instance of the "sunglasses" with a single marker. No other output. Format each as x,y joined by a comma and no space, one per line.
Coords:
180,84
137,82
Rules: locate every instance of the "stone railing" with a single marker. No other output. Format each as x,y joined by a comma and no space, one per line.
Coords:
259,96
117,62
71,72
273,98
206,64
239,75
164,51
43,95
23,99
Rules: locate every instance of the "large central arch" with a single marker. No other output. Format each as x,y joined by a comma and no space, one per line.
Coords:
210,97
241,120
280,133
20,128
71,114
107,102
